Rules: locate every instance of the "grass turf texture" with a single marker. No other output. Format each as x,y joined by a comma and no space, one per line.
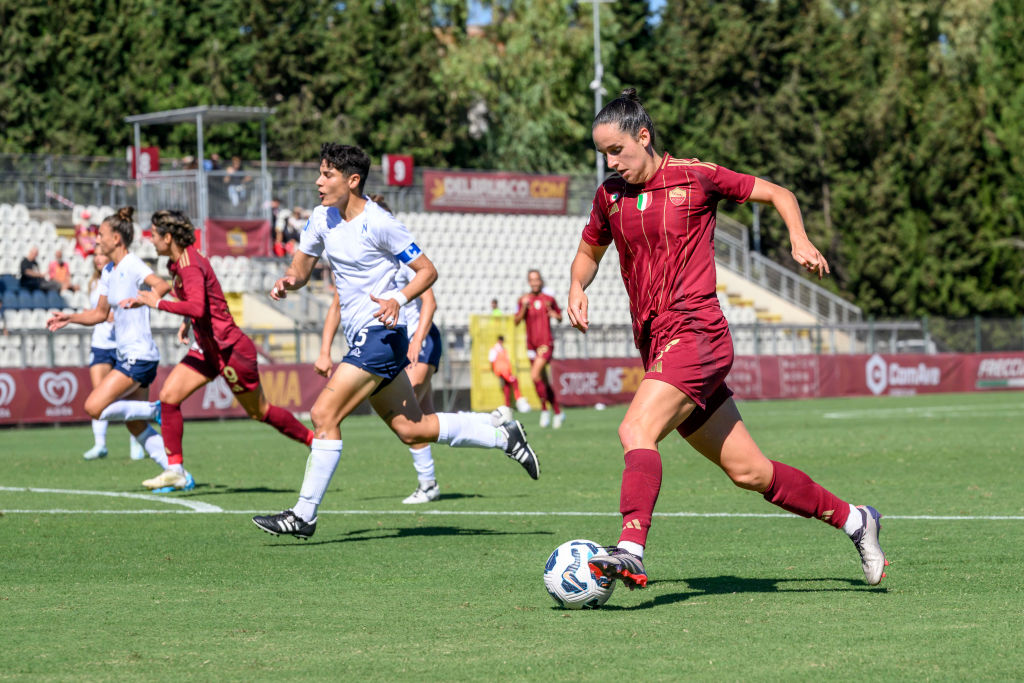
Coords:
386,596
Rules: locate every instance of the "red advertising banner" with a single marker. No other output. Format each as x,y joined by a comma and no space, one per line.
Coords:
45,395
614,380
398,169
229,237
495,192
149,160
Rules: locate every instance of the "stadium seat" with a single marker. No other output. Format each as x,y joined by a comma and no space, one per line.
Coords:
25,300
55,301
39,299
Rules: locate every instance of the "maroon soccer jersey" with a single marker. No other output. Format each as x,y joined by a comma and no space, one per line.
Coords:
663,231
201,298
538,324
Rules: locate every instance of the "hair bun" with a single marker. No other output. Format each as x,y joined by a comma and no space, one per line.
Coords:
629,94
125,213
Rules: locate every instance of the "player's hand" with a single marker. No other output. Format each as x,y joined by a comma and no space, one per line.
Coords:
414,352
143,298
279,290
57,320
323,365
183,334
577,309
809,257
388,313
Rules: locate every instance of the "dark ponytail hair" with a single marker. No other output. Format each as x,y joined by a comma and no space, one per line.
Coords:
121,223
626,112
175,223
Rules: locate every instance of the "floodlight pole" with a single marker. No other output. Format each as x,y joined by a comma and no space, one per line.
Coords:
595,84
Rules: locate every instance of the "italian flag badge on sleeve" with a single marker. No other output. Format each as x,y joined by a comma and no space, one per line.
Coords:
643,201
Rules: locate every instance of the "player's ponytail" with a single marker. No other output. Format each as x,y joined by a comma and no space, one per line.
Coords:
176,224
121,223
628,114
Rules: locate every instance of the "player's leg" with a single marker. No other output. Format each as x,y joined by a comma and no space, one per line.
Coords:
656,409
537,365
397,406
724,440
559,417
185,379
241,371
347,387
427,488
97,371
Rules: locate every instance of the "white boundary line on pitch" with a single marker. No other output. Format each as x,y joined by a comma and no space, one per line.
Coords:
494,513
193,505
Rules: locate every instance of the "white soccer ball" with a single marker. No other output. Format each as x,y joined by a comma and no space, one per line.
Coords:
568,578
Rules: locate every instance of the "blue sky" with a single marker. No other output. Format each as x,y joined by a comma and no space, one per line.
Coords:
478,15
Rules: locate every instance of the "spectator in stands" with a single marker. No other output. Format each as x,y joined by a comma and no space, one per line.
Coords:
501,366
60,272
213,163
85,236
287,230
189,163
495,311
236,181
3,319
32,278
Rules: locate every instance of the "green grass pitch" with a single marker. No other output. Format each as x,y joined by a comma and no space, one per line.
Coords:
109,587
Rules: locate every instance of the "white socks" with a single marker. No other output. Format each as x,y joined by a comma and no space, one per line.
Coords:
323,460
130,410
468,429
854,522
154,445
634,548
424,464
99,432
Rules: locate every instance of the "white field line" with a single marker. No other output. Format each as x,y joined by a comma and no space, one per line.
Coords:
927,412
193,505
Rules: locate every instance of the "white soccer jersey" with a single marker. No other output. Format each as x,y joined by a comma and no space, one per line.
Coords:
414,308
131,325
102,334
364,254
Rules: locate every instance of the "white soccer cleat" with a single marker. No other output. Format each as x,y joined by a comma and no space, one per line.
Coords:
424,493
557,420
545,418
522,405
501,415
872,559
95,453
168,479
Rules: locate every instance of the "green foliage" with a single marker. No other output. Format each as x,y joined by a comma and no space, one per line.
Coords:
898,125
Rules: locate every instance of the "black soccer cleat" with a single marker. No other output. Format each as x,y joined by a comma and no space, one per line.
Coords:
286,522
519,450
620,564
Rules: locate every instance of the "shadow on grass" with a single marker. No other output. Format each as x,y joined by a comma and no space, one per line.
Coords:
727,585
388,533
444,496
219,489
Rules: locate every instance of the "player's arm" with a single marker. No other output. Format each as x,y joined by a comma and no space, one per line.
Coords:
324,363
425,274
193,299
521,310
784,201
296,276
581,274
93,316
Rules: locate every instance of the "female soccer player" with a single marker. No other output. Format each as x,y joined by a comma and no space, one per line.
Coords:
538,309
660,211
137,356
364,246
221,348
102,359
424,359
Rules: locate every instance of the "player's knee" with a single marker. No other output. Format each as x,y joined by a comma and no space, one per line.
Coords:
408,432
93,408
633,434
323,417
747,477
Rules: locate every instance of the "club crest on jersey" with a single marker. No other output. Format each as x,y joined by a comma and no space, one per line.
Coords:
643,201
677,196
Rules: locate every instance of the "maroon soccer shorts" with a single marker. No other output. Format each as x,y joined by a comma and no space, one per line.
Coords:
236,364
692,351
544,351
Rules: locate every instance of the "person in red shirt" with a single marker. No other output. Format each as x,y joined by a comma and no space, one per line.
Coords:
660,212
501,366
538,308
220,348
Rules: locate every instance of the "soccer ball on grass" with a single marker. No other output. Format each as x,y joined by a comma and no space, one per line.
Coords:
568,578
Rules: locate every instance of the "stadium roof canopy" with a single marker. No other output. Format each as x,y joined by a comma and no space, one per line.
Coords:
213,114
